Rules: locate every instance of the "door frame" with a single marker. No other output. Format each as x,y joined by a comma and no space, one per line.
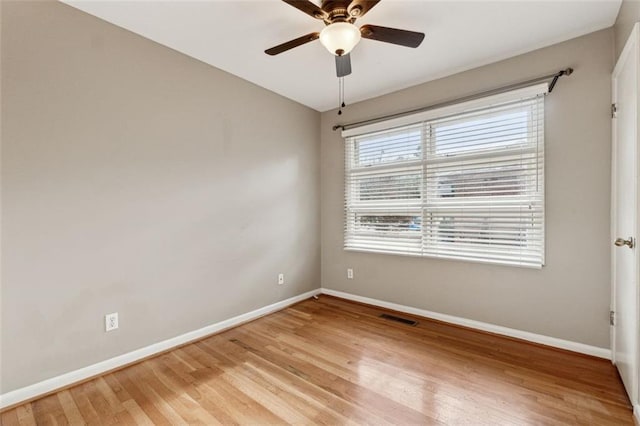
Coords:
632,44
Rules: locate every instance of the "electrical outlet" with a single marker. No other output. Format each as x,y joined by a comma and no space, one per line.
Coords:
111,321
280,279
349,273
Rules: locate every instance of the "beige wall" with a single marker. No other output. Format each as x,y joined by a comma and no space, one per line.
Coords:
569,297
629,14
138,180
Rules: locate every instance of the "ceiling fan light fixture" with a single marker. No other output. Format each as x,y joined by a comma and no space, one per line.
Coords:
340,37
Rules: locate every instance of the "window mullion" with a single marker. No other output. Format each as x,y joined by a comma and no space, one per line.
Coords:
426,150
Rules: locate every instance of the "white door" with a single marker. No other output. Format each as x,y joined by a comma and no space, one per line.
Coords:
625,214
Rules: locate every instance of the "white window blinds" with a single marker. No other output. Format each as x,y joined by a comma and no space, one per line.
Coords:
462,182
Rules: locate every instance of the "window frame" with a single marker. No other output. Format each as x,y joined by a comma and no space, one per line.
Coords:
426,205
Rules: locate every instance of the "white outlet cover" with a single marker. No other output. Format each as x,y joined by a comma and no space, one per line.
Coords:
280,279
111,321
350,273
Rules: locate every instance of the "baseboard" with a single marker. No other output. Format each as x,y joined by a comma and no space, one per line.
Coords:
53,384
636,414
478,325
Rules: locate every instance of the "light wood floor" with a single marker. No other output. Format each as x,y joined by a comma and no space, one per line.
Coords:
335,362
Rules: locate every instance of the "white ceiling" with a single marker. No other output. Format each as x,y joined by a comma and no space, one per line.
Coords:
233,34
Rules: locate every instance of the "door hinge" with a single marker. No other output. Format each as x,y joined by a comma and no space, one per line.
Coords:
614,110
612,318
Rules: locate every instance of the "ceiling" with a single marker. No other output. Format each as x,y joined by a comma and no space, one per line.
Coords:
233,34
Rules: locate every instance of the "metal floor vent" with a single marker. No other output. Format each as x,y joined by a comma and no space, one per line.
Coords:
399,319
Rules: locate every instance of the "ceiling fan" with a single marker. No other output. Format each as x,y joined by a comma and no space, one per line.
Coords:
341,35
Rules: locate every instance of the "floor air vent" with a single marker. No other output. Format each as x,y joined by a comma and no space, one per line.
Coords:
399,319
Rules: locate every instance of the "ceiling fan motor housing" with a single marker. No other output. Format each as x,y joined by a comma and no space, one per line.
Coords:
338,11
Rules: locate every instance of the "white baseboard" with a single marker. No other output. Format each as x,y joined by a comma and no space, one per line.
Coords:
491,328
50,385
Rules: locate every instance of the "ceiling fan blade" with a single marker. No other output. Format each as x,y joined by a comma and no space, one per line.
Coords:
307,7
392,35
292,43
343,65
358,8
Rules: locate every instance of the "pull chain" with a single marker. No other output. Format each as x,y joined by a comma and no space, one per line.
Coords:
341,103
340,82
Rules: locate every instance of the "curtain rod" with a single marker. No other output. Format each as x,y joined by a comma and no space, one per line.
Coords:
553,77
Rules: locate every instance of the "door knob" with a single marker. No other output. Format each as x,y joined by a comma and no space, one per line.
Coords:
622,242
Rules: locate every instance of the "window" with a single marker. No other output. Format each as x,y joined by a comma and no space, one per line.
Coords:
463,182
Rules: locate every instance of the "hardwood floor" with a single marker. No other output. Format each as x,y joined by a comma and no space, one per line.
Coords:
336,362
